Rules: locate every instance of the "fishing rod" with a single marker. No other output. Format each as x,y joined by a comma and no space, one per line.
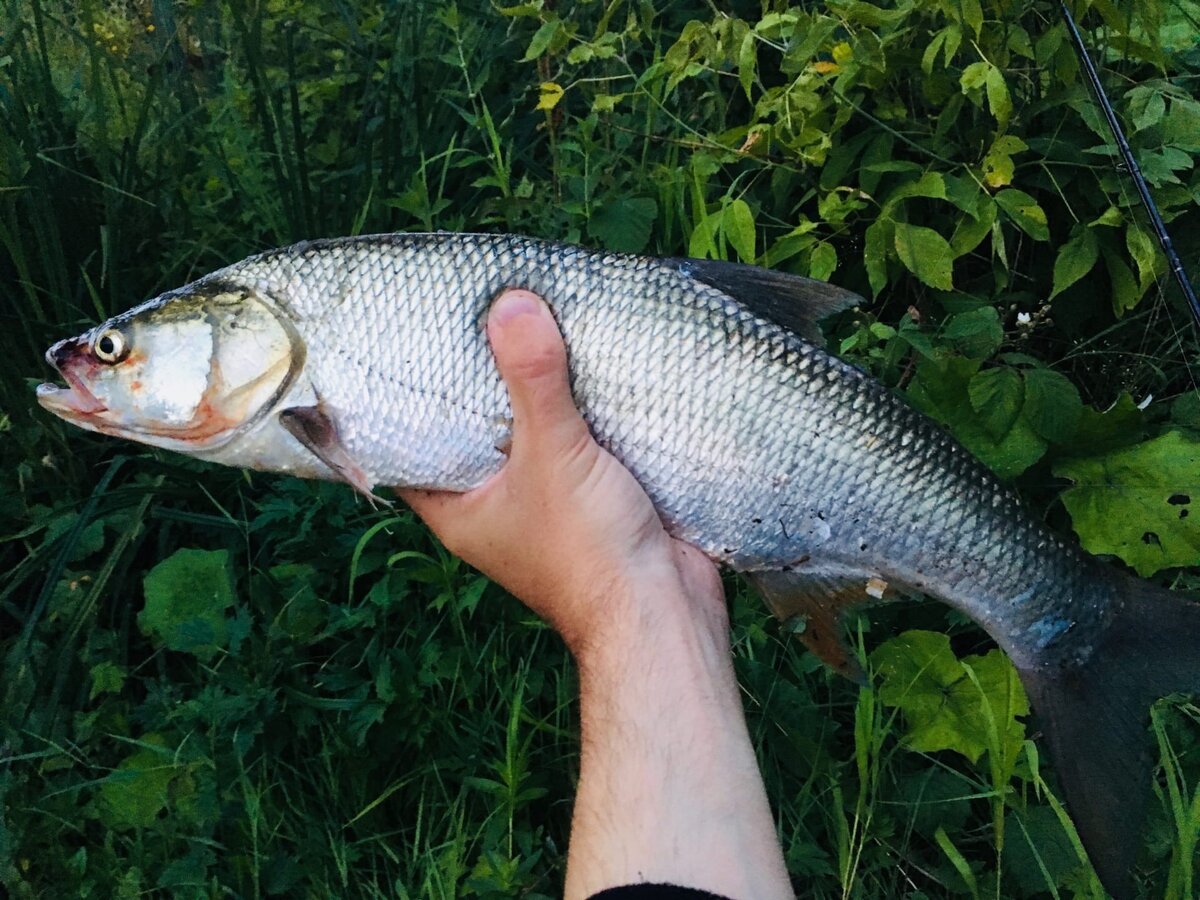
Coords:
1135,172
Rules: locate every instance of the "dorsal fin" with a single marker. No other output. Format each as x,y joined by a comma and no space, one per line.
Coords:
791,301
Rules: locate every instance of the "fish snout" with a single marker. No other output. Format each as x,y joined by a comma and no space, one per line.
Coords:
76,398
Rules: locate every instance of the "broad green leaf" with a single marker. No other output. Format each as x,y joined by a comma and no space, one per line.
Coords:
1037,846
186,598
1145,254
1025,213
748,62
972,15
973,77
1052,404
822,262
135,794
926,254
606,103
624,224
1136,502
996,396
943,706
1147,106
1126,292
930,184
540,42
997,163
875,253
107,678
1120,425
970,231
999,100
1075,259
929,56
1185,411
976,333
737,223
1111,217
702,244
940,390
964,193
1000,686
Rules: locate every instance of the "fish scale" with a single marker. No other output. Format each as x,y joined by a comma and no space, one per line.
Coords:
754,445
365,359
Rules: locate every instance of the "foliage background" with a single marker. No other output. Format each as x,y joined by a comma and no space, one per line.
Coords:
224,684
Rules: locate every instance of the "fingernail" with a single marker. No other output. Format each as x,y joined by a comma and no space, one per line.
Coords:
512,304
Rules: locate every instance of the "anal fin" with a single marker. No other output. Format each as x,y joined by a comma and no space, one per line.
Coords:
313,428
817,603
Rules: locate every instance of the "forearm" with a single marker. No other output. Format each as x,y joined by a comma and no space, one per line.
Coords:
669,787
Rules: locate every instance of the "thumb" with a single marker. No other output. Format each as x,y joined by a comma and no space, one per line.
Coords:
532,360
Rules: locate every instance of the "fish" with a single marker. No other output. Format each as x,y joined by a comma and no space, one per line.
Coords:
365,360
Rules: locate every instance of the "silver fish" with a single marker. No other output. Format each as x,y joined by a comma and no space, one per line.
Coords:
365,360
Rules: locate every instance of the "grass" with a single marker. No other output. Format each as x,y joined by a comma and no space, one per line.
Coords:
369,718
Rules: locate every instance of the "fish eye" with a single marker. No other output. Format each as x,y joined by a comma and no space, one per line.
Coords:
110,347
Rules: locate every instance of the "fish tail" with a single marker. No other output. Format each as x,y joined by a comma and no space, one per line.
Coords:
1094,716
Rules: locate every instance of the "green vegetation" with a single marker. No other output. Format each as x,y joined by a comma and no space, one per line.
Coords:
217,683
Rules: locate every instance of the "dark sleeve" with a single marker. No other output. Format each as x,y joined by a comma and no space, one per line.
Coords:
655,892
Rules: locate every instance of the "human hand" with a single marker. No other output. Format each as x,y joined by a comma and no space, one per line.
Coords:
564,526
668,788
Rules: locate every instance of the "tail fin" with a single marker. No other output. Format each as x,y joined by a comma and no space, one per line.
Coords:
1094,720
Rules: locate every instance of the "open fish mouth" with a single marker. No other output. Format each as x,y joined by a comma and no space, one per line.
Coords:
73,400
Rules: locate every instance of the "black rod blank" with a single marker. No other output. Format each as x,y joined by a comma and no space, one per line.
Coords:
1139,180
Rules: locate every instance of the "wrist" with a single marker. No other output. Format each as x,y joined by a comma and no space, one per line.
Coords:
650,617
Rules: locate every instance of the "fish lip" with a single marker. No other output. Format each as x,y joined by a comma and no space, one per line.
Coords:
75,399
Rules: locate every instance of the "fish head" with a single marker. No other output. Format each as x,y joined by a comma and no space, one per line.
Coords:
186,371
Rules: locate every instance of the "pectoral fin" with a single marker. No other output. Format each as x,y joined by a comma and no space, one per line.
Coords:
816,602
315,430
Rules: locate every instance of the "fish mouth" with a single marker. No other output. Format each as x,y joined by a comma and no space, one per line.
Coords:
72,401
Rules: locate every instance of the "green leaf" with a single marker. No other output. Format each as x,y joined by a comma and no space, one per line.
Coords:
1075,259
996,396
748,62
943,706
930,184
1145,254
973,77
970,231
1052,404
1185,411
875,253
1126,292
976,333
1025,213
1148,107
926,254
107,678
737,223
186,598
998,169
1121,425
1136,503
624,225
1037,846
540,42
822,262
972,15
999,101
134,794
